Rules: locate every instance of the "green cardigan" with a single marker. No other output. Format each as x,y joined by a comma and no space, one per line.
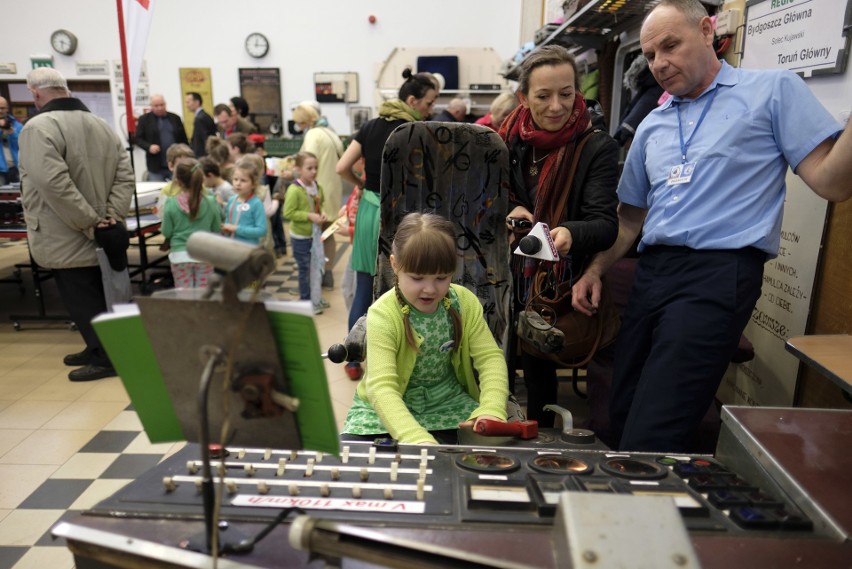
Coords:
390,362
297,206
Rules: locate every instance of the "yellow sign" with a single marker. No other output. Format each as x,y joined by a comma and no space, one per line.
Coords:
195,79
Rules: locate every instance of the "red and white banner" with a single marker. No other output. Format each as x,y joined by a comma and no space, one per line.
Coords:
137,21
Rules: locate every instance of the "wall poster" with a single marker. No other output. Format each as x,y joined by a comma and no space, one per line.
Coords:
336,87
784,305
261,88
195,80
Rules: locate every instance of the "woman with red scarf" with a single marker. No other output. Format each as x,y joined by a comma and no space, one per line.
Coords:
542,135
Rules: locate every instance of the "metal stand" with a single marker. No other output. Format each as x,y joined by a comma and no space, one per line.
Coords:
39,275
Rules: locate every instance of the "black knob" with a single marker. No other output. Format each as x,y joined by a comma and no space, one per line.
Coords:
337,353
530,245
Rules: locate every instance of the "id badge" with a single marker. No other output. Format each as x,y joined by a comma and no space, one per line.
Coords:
681,174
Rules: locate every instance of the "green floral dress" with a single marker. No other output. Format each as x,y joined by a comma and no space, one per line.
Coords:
434,396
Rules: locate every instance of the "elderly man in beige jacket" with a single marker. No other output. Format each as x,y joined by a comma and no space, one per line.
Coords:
75,176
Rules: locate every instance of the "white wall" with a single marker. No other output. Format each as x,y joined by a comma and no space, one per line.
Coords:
305,37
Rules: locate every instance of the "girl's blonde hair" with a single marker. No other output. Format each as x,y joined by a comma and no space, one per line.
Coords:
304,155
425,244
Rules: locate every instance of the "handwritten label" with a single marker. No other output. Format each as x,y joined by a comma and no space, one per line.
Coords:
307,503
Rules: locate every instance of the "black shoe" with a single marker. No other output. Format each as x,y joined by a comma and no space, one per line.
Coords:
92,372
328,280
78,359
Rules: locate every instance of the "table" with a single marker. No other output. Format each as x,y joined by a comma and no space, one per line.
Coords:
830,355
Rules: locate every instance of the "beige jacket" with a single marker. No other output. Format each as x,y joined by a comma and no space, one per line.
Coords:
75,172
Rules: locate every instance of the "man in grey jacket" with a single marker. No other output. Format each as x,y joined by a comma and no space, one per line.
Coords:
75,177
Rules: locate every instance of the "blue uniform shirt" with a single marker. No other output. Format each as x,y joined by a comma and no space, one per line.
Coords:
757,123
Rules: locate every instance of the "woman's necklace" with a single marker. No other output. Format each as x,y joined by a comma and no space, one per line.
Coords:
535,163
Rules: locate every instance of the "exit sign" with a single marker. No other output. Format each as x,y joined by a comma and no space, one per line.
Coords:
41,61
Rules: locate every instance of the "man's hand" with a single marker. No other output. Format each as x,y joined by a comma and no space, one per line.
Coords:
105,223
154,149
586,294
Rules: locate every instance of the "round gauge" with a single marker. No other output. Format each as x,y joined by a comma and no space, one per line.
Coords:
487,462
558,464
257,45
632,468
63,42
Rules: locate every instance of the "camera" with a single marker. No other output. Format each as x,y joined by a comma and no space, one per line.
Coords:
518,223
538,244
7,122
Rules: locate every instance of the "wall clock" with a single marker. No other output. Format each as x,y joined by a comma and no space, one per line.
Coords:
63,42
257,45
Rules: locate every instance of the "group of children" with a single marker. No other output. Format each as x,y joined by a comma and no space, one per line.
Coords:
199,198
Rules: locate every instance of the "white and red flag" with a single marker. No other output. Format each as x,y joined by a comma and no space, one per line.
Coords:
134,21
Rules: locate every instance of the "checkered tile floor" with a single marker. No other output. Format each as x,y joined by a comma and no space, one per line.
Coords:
64,447
111,459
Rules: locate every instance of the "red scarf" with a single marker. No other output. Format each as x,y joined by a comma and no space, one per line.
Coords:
519,124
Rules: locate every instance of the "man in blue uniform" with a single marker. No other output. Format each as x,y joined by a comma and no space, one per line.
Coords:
705,175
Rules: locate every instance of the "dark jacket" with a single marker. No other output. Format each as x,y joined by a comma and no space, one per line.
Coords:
444,116
202,127
591,212
643,102
147,134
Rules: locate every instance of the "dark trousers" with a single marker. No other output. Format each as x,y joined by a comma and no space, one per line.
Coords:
542,388
279,240
363,297
302,255
686,313
82,292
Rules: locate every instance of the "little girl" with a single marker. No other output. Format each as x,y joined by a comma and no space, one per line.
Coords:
189,211
424,339
245,219
303,207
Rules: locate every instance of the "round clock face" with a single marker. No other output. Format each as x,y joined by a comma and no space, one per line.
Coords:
63,41
257,45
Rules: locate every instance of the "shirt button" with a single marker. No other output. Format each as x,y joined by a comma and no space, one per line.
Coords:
691,123
674,199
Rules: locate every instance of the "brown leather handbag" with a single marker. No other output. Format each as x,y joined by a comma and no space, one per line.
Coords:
549,304
583,335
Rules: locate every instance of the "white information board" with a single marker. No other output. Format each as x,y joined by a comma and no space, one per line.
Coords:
804,36
784,304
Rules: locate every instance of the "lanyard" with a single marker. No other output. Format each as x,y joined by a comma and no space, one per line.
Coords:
685,145
235,204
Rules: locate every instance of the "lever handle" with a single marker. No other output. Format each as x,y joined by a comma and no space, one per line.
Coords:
520,429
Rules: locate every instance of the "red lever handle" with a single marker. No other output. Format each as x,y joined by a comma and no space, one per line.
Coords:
520,429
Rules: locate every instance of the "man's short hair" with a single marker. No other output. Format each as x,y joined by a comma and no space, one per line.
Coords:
46,78
196,97
221,108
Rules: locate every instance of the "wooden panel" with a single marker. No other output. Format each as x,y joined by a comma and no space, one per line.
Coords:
832,310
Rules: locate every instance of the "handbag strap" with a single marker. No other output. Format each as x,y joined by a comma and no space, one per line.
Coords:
578,150
594,350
